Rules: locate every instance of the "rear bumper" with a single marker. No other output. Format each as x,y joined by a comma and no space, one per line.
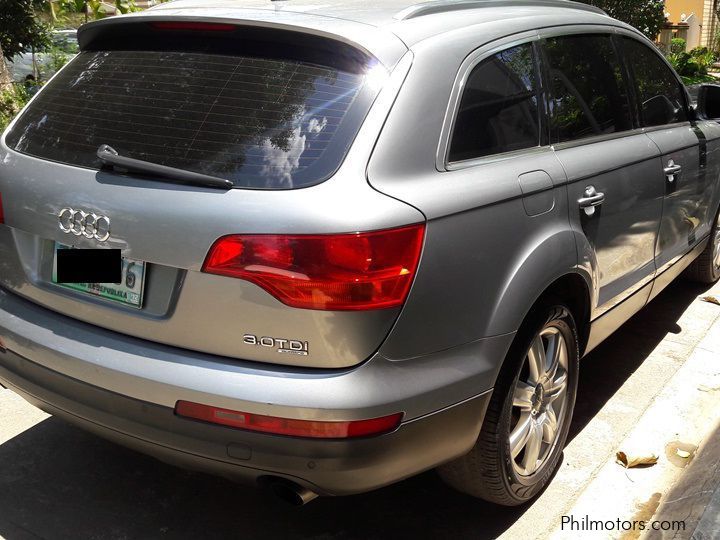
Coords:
125,390
327,467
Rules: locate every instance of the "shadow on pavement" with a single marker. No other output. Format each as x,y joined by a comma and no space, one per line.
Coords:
606,369
59,482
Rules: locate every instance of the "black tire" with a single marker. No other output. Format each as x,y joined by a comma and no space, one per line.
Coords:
487,471
705,269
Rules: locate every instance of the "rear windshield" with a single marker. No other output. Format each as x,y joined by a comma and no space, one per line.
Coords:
264,123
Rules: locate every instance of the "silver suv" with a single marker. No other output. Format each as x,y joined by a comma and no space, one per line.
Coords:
324,248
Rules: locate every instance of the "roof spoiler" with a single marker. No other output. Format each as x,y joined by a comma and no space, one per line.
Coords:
357,41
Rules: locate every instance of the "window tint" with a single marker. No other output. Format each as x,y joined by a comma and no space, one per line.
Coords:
499,107
659,94
587,92
260,122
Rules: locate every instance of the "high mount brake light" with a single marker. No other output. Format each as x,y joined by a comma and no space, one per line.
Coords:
288,426
193,26
356,271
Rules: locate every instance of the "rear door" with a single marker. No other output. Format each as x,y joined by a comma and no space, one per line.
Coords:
615,193
664,113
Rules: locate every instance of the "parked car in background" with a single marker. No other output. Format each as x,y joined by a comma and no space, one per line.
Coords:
43,65
324,247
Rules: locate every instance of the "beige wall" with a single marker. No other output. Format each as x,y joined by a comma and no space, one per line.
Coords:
707,38
678,7
704,17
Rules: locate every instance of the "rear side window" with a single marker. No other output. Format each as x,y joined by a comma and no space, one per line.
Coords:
588,95
499,107
659,94
268,123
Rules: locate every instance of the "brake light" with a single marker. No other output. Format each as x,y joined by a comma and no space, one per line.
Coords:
356,271
288,426
192,25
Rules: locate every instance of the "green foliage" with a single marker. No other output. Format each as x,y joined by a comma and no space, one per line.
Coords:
20,30
677,45
72,6
12,100
647,16
95,8
50,62
698,79
126,6
57,58
692,64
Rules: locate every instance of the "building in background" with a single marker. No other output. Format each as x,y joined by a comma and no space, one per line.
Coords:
695,21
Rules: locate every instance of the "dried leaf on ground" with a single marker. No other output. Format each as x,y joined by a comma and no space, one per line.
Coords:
630,460
711,299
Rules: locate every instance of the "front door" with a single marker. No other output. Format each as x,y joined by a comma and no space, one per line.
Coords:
615,194
683,146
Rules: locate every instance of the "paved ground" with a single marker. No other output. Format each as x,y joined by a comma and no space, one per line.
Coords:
59,482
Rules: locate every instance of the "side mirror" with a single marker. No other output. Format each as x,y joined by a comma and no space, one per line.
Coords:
708,102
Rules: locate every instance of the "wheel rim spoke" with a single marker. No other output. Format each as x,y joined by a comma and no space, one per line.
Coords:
554,352
536,360
550,426
532,449
519,435
522,397
558,388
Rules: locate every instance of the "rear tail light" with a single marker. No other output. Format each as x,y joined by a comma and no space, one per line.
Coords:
357,271
288,426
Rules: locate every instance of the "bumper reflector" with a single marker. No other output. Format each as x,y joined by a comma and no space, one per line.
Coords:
288,426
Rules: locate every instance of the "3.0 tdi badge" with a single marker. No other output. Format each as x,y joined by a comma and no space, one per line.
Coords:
284,346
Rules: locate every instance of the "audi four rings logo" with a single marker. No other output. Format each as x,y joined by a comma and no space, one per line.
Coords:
85,224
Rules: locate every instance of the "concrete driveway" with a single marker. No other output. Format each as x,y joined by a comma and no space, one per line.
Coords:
59,482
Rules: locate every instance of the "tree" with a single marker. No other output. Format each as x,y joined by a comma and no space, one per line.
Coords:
647,16
20,31
5,78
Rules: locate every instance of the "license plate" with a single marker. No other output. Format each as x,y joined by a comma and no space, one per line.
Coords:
128,292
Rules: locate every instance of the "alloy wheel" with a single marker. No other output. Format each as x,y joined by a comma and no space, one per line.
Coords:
539,401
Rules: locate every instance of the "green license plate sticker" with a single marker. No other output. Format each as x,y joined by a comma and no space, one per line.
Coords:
128,292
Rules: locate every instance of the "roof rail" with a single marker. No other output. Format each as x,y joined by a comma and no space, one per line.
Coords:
443,6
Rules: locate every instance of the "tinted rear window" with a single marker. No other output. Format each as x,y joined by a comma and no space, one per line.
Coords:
499,108
263,123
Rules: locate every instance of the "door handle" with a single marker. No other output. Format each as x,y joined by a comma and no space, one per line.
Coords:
672,170
590,199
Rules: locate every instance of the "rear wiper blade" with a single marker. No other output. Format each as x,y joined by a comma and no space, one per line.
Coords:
110,156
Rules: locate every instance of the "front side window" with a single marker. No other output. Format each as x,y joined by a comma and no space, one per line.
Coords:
588,95
499,107
659,94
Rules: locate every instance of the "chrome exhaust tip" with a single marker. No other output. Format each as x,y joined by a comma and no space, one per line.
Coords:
288,491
